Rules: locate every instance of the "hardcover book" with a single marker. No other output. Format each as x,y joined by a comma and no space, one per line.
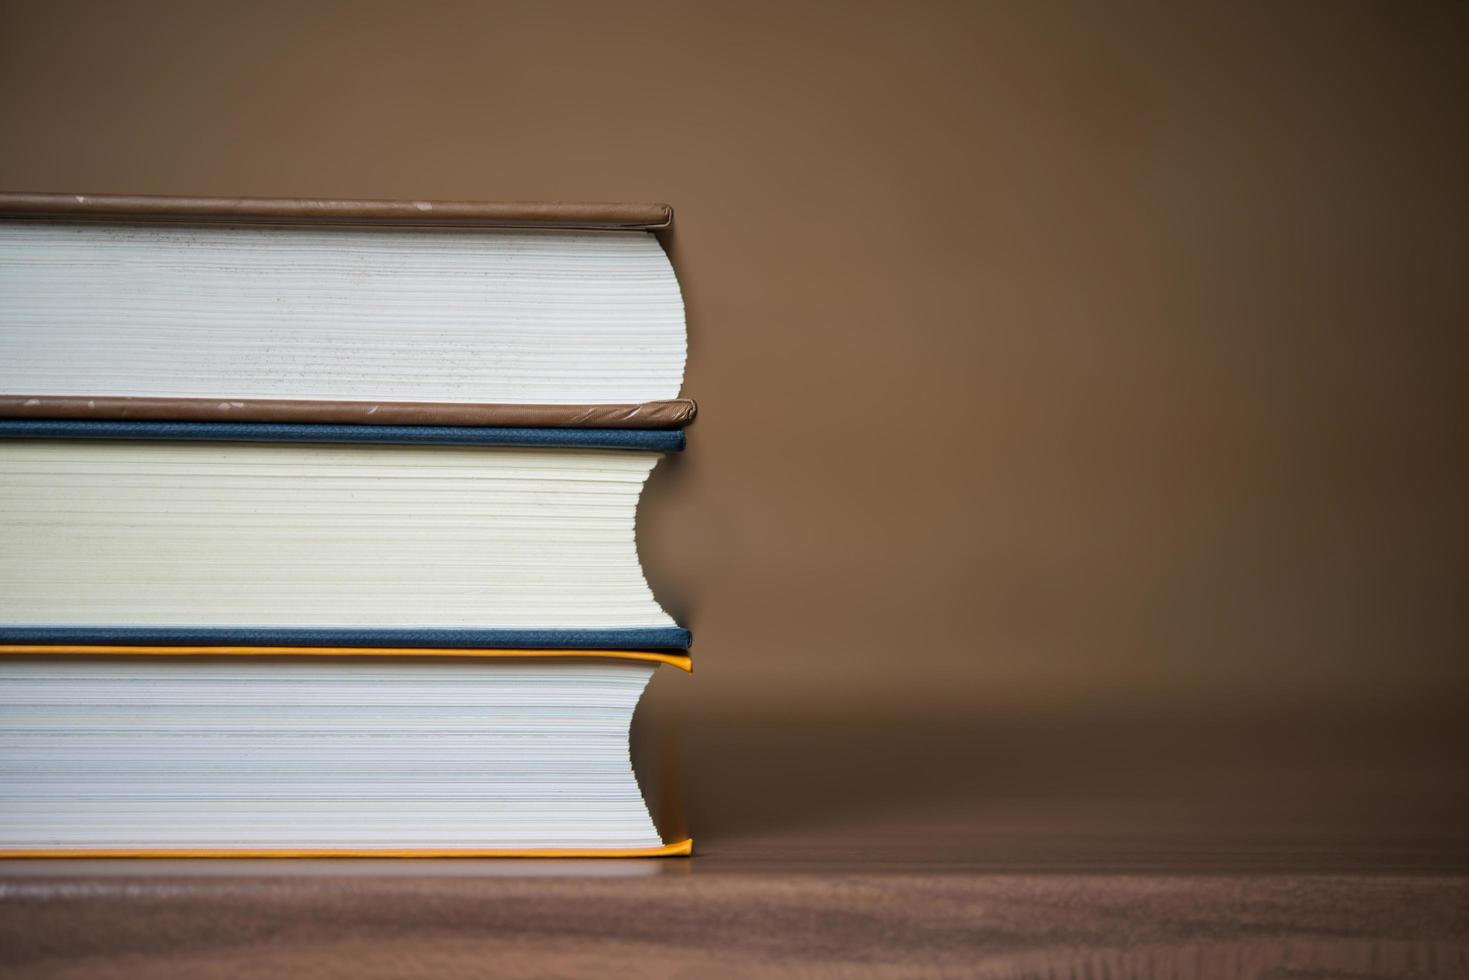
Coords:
444,313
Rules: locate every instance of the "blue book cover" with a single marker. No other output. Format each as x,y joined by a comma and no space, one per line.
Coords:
650,638
650,440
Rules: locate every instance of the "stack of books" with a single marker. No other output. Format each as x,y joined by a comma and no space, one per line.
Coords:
318,524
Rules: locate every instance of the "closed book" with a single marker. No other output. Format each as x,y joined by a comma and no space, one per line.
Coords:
269,753
347,312
276,534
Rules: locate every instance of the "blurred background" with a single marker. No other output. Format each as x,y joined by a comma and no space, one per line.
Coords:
1081,453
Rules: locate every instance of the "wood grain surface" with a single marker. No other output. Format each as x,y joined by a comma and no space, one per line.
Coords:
689,919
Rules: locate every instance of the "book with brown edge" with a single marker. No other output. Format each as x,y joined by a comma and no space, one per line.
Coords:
129,208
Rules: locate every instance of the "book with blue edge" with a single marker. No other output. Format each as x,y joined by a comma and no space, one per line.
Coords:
318,523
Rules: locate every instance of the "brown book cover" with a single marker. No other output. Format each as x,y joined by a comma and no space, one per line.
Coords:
672,414
469,214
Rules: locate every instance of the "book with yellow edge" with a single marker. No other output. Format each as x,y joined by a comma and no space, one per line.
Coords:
322,752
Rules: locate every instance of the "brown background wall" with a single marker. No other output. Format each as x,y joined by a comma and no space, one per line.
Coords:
1051,358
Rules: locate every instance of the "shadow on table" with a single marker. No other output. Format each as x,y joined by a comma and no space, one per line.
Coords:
1242,790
